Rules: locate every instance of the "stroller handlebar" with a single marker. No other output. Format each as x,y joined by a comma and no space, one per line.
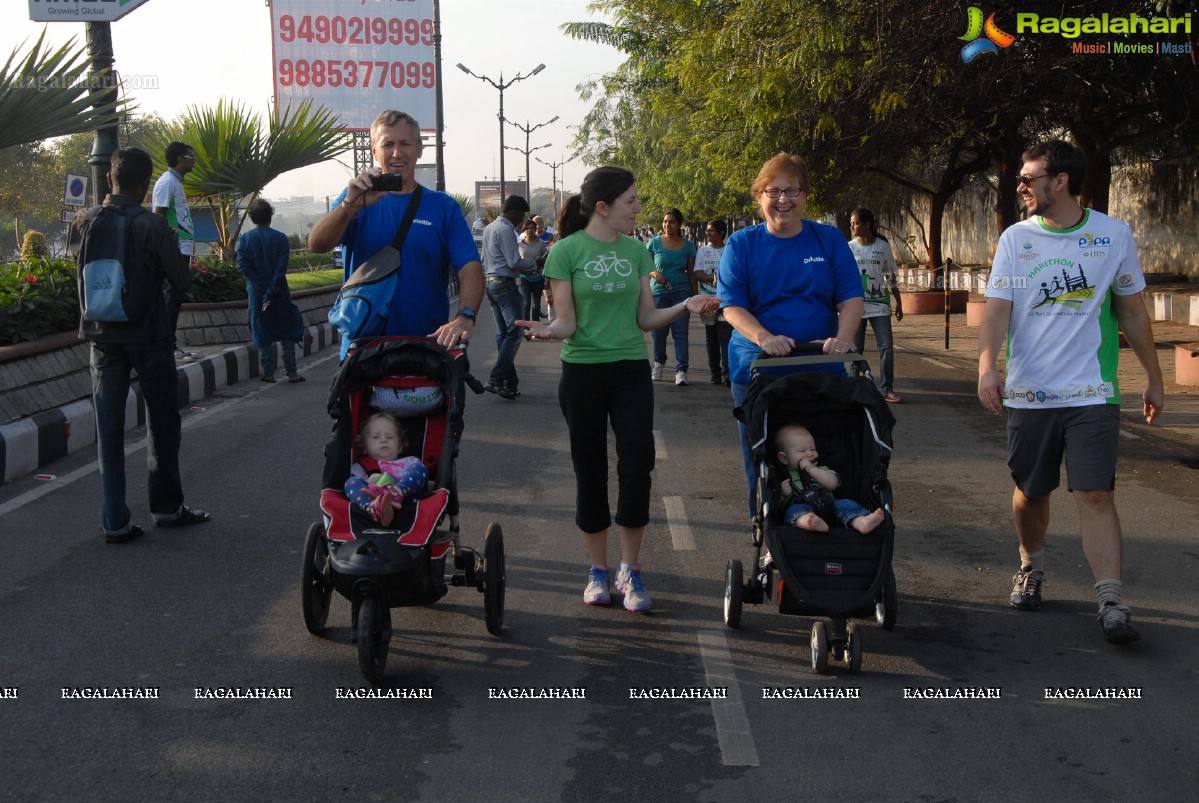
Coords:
806,354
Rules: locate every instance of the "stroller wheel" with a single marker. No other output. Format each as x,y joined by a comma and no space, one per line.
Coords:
886,610
819,645
493,578
314,588
734,591
374,634
853,650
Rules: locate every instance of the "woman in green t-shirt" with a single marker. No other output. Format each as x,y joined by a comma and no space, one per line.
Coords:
602,296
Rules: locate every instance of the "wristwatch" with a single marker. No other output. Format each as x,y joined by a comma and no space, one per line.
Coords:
468,312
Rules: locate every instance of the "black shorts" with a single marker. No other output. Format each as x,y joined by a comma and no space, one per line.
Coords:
1087,436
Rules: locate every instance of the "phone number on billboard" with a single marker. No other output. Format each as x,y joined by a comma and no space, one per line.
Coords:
356,30
331,72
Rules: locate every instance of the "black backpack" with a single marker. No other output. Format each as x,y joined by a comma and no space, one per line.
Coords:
113,283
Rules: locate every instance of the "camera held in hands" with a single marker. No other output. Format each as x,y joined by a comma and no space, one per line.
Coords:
387,182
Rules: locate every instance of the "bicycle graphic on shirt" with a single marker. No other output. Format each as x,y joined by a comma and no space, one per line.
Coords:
605,264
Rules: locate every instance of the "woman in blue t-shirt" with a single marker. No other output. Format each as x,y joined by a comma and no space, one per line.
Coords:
672,282
785,281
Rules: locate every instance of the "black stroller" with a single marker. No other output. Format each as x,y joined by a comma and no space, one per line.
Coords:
404,565
840,574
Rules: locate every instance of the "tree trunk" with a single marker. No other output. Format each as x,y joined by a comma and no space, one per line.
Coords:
1098,180
936,219
1097,186
1009,156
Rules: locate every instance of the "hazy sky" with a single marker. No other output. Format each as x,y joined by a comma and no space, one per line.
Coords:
198,52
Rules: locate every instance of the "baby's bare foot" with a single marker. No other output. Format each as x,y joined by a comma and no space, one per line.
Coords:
812,523
865,524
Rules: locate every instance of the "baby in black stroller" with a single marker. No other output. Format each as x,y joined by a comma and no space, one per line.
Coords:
807,499
816,554
389,502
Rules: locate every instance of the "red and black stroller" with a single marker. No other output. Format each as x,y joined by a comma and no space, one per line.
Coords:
840,574
418,556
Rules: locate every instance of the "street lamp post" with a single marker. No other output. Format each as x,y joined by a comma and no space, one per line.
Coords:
553,166
501,86
528,129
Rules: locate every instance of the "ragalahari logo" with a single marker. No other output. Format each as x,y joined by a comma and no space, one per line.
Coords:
976,44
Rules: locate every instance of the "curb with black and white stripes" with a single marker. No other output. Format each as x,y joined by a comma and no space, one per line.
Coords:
29,444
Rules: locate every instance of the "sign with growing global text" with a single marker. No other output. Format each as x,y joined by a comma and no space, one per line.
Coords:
80,10
355,57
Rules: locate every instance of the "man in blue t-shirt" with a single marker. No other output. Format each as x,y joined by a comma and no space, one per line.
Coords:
365,221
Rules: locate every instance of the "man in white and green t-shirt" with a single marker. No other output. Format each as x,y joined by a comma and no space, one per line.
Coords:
877,265
1064,283
169,201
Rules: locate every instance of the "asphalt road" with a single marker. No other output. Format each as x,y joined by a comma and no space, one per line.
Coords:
217,606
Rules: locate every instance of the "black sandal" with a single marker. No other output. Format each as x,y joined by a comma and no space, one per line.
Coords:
184,517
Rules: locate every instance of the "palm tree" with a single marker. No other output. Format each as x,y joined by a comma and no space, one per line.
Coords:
42,95
237,154
465,203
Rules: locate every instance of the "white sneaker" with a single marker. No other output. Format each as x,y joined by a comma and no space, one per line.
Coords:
596,592
630,584
656,372
680,378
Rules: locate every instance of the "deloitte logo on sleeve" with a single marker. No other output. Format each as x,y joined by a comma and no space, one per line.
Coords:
982,38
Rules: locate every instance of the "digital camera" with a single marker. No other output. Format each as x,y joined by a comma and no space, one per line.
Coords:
387,182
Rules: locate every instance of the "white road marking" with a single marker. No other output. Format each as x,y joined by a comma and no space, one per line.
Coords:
676,519
1129,435
17,502
737,747
938,363
660,445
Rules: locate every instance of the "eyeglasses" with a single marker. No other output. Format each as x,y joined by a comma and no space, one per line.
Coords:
1028,180
774,192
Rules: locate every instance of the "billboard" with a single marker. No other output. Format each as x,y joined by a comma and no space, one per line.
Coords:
80,10
487,195
355,58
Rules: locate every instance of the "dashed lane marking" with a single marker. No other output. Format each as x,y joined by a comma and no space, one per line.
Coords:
737,747
660,445
676,519
939,364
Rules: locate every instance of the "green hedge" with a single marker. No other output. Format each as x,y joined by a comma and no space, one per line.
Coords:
39,298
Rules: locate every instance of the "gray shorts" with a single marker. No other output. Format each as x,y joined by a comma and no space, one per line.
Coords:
1087,436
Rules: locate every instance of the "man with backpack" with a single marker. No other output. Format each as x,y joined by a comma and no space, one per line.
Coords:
125,254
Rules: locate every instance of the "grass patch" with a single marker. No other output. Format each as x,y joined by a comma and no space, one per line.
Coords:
314,278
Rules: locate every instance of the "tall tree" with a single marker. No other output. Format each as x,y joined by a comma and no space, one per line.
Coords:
31,189
866,89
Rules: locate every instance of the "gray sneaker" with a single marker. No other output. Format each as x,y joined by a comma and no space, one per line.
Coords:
1117,624
656,372
1026,590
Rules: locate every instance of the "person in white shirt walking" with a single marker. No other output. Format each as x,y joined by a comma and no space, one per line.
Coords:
877,266
1064,284
717,330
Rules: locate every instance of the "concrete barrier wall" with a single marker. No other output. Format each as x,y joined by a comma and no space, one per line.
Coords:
54,371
